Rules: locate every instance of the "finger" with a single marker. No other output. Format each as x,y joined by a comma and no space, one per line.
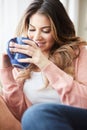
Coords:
15,45
26,60
12,44
30,42
23,51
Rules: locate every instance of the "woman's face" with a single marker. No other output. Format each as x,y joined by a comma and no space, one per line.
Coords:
40,31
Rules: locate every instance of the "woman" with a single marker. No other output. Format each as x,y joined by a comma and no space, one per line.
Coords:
57,72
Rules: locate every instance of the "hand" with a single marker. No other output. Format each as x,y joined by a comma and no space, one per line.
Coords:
31,49
5,61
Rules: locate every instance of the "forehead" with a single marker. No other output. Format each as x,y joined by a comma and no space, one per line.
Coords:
39,20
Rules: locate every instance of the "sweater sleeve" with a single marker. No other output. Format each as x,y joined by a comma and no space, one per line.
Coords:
71,91
12,92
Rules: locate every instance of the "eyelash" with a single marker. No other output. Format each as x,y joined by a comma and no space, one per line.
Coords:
31,30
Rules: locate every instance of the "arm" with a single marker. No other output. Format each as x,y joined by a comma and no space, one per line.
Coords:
72,92
12,91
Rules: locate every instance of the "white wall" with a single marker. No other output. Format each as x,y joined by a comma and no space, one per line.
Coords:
10,13
82,24
77,10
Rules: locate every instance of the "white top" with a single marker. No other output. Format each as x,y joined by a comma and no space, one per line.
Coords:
36,93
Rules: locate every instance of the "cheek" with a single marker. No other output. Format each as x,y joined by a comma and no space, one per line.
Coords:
50,40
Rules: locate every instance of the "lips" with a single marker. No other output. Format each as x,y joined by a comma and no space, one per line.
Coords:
40,44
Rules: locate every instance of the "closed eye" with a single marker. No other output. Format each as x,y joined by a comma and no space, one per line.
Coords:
31,30
46,31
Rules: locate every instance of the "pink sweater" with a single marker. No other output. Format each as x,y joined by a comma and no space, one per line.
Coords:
72,91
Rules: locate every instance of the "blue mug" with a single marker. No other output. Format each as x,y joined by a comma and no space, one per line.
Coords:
15,56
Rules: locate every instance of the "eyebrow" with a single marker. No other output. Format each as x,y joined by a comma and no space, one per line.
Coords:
47,26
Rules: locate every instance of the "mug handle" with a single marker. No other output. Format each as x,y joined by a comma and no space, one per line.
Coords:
11,55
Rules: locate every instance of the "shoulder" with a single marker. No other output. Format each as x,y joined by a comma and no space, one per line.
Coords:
83,50
81,65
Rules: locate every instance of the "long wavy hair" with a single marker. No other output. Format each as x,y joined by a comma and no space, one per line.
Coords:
66,41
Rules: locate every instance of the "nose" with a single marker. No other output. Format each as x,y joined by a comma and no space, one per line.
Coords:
37,36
